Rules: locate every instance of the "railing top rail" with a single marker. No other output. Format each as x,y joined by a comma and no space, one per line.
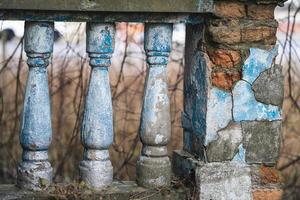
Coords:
167,11
168,6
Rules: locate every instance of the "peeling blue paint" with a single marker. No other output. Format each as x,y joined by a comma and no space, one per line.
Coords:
219,112
258,61
241,155
245,106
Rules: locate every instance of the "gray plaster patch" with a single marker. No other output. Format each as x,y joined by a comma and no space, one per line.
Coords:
227,144
268,87
261,141
224,181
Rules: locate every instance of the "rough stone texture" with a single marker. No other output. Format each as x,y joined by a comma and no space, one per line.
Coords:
218,102
233,31
262,141
225,31
263,34
224,181
268,87
245,106
226,145
225,79
230,9
261,12
263,176
224,58
269,175
116,191
267,194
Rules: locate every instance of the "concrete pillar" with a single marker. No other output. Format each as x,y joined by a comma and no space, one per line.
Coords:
97,126
153,166
35,171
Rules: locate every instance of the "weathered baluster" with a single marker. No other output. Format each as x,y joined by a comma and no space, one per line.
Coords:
97,126
35,171
153,167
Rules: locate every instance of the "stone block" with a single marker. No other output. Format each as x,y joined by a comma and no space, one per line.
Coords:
230,9
264,34
225,147
224,181
260,11
268,87
225,31
262,141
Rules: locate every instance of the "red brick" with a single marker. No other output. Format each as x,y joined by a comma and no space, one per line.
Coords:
269,175
224,58
267,194
225,80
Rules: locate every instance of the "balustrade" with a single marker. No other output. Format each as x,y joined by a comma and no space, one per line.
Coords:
153,166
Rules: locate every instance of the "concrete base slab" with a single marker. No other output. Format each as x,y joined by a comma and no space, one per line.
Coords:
116,191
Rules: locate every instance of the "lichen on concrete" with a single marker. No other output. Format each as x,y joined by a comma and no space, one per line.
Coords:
261,141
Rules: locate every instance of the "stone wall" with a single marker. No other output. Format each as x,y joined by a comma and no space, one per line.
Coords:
233,100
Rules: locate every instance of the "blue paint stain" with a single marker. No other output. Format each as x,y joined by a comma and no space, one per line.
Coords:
100,39
241,155
158,39
258,61
245,106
